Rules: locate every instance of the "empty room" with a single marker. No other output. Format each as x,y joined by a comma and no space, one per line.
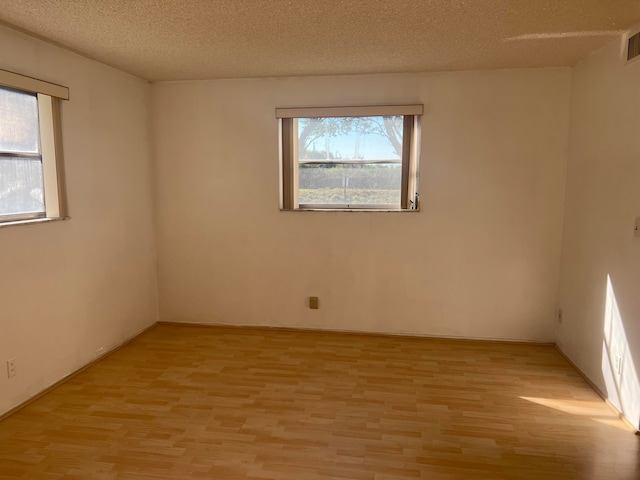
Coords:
278,239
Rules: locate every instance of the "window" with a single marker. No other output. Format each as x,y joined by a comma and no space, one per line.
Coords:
630,53
350,158
30,158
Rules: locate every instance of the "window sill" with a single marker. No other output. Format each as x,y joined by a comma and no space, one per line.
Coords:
360,210
31,221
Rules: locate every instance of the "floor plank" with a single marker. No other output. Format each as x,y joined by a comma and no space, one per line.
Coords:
186,402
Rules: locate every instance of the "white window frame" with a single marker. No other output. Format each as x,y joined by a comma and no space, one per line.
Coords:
288,135
49,96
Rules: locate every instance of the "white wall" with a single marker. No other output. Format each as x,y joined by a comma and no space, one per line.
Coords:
602,200
68,289
480,260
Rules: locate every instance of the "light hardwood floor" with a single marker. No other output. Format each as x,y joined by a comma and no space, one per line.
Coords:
236,403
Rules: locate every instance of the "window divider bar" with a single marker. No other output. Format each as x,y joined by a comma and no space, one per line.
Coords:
34,156
349,162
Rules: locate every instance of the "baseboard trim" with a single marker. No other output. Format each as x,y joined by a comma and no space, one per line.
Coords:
68,377
358,332
620,415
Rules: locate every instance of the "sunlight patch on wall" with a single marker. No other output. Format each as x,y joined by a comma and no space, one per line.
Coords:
618,369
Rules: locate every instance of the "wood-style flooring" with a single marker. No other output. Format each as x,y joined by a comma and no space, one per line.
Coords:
186,402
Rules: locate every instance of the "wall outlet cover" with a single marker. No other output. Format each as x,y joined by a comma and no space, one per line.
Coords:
11,368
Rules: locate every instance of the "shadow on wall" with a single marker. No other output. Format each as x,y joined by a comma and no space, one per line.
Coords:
618,368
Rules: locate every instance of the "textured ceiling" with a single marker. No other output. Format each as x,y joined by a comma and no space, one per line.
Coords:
199,39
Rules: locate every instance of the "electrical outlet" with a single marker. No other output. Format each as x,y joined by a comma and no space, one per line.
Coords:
314,303
11,368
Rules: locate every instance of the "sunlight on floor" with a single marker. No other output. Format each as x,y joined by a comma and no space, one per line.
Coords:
594,409
556,35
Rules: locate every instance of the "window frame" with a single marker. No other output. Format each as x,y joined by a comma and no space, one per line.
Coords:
48,97
289,166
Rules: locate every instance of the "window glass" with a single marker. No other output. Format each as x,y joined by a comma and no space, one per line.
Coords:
359,184
21,186
350,138
350,160
19,132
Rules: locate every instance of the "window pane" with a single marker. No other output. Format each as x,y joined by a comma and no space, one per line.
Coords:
21,187
350,184
19,130
350,138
